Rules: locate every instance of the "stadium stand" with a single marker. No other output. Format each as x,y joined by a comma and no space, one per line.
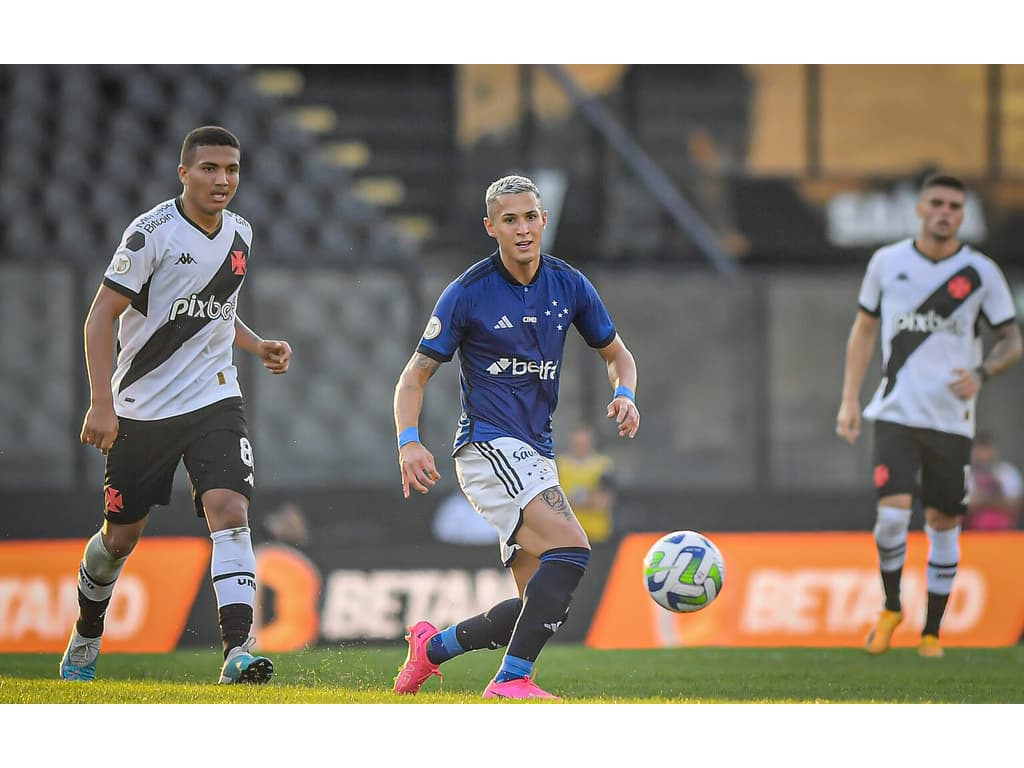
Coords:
340,162
84,148
389,126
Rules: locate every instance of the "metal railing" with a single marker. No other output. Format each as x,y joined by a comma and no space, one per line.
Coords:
660,186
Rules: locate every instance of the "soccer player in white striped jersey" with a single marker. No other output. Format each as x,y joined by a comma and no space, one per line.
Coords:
507,316
927,294
172,287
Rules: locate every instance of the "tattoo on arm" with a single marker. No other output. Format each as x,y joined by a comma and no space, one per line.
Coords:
1006,351
424,363
554,498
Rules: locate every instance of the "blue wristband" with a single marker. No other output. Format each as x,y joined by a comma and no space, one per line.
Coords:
408,435
624,390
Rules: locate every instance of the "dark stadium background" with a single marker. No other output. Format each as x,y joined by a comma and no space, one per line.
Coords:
725,212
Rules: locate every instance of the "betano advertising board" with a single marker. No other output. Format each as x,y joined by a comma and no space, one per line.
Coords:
800,589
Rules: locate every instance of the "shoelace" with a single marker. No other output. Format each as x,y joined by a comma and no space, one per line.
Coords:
82,654
244,647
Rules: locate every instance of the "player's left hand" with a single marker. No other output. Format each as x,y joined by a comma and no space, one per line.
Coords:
626,415
966,384
276,355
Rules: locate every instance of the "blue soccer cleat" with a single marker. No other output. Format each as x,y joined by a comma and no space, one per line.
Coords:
242,667
79,660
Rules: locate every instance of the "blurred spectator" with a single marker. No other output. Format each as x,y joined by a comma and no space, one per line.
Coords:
586,477
289,588
994,489
287,524
457,522
709,185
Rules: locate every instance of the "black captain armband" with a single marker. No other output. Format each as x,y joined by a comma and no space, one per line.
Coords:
982,373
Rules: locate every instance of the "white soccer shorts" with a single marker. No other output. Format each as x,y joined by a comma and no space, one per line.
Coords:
500,477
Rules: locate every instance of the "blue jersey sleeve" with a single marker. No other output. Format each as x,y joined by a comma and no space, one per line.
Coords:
443,333
592,320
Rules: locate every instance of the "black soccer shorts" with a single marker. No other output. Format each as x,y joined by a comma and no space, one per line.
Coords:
212,441
923,462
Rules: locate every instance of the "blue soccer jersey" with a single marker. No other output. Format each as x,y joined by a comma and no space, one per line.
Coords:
510,339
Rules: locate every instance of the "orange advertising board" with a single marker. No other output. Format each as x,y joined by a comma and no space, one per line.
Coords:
816,589
148,610
296,584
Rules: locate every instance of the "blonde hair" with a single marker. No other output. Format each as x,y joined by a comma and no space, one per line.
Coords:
509,185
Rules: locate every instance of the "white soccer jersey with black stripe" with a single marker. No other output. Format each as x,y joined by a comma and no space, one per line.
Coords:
929,318
175,339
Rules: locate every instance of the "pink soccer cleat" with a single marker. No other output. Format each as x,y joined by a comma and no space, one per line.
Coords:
417,667
517,688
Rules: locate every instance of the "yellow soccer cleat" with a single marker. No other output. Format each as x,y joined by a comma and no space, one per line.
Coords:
878,639
930,648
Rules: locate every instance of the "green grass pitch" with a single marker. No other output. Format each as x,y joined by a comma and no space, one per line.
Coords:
361,675
797,707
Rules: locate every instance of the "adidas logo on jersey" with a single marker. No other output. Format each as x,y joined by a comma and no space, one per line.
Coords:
503,323
186,258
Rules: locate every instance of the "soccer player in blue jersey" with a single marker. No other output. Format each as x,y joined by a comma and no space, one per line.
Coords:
508,316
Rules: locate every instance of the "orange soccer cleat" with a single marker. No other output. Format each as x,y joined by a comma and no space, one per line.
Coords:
880,637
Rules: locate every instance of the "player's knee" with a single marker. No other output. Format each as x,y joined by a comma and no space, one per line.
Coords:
559,574
572,556
892,523
225,509
939,520
119,542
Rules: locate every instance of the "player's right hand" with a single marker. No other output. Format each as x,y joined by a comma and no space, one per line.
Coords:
848,422
100,427
626,415
418,469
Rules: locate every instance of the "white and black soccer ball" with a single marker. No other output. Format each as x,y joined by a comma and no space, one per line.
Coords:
684,571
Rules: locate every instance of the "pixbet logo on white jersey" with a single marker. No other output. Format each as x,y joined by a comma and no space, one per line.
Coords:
545,370
196,307
929,323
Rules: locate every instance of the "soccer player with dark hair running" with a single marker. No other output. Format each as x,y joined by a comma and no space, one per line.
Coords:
173,287
507,316
928,294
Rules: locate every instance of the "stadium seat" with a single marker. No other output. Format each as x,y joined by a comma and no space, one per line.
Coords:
63,123
336,243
